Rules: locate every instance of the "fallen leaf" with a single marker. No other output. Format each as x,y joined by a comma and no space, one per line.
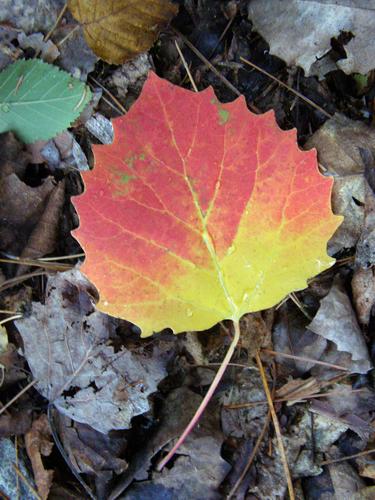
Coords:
179,211
67,346
338,144
302,43
118,31
348,196
43,239
198,469
8,51
37,100
14,366
130,76
346,481
38,442
337,322
363,287
291,335
33,16
365,250
15,424
101,128
243,422
47,51
351,408
21,206
92,452
10,484
76,56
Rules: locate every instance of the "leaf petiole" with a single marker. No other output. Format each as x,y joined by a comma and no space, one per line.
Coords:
207,398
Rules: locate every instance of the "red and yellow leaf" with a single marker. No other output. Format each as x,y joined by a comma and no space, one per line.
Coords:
200,211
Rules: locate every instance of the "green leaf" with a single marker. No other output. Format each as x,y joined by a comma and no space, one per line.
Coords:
37,100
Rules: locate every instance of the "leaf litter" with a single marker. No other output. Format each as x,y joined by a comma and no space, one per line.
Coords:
67,345
325,413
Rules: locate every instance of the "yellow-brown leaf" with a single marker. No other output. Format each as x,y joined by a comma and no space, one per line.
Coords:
119,30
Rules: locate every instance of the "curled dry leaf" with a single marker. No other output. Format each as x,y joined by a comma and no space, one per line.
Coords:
39,443
302,43
180,221
118,31
67,347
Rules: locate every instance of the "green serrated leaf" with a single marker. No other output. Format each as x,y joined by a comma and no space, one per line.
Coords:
38,100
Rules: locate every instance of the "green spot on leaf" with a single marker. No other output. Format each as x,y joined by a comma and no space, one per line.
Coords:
125,178
223,116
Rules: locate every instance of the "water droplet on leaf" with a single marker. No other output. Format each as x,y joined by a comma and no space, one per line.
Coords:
189,313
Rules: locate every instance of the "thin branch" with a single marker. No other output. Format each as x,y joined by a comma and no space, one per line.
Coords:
348,457
255,449
9,403
303,358
57,22
186,67
277,427
114,99
291,89
26,482
209,64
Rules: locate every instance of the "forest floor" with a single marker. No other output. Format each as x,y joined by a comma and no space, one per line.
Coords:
316,347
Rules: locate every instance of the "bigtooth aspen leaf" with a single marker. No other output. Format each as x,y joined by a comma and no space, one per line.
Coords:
200,211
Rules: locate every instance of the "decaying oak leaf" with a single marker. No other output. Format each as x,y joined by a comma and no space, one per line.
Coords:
119,30
200,211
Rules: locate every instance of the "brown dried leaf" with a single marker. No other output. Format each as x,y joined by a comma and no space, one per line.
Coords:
118,31
28,215
15,424
298,388
43,238
38,442
338,143
363,287
90,451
